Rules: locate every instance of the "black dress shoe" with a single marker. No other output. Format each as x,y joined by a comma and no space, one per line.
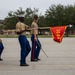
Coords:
34,60
24,65
1,59
38,59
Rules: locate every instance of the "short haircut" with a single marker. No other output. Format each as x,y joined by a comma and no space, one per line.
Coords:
35,17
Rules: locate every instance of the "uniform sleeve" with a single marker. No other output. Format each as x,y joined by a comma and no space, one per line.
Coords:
26,26
17,28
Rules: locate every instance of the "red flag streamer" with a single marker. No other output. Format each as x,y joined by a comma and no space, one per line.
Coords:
58,33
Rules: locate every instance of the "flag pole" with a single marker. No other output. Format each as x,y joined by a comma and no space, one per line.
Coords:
42,50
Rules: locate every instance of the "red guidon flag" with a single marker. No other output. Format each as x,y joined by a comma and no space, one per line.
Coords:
58,33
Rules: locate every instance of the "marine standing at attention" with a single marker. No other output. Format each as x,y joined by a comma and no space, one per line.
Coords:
36,45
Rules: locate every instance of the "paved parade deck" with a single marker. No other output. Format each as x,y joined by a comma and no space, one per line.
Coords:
60,61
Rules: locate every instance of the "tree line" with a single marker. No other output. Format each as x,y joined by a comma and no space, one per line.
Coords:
55,15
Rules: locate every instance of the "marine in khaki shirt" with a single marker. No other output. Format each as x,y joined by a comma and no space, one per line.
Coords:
24,43
36,45
21,27
34,25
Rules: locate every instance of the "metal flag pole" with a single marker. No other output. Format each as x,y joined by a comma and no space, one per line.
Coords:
42,50
44,53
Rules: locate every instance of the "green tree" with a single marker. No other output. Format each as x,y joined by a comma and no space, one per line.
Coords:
11,22
12,18
55,15
29,15
60,15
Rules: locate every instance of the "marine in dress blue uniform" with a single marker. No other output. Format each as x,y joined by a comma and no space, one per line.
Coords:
36,45
1,49
24,43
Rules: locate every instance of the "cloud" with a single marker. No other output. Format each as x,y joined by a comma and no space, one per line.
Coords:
11,5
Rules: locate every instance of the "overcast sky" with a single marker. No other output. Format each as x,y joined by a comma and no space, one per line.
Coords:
13,5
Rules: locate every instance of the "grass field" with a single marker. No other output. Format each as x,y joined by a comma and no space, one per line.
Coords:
28,36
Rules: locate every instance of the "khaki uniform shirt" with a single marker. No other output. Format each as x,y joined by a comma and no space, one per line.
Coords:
34,25
21,26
